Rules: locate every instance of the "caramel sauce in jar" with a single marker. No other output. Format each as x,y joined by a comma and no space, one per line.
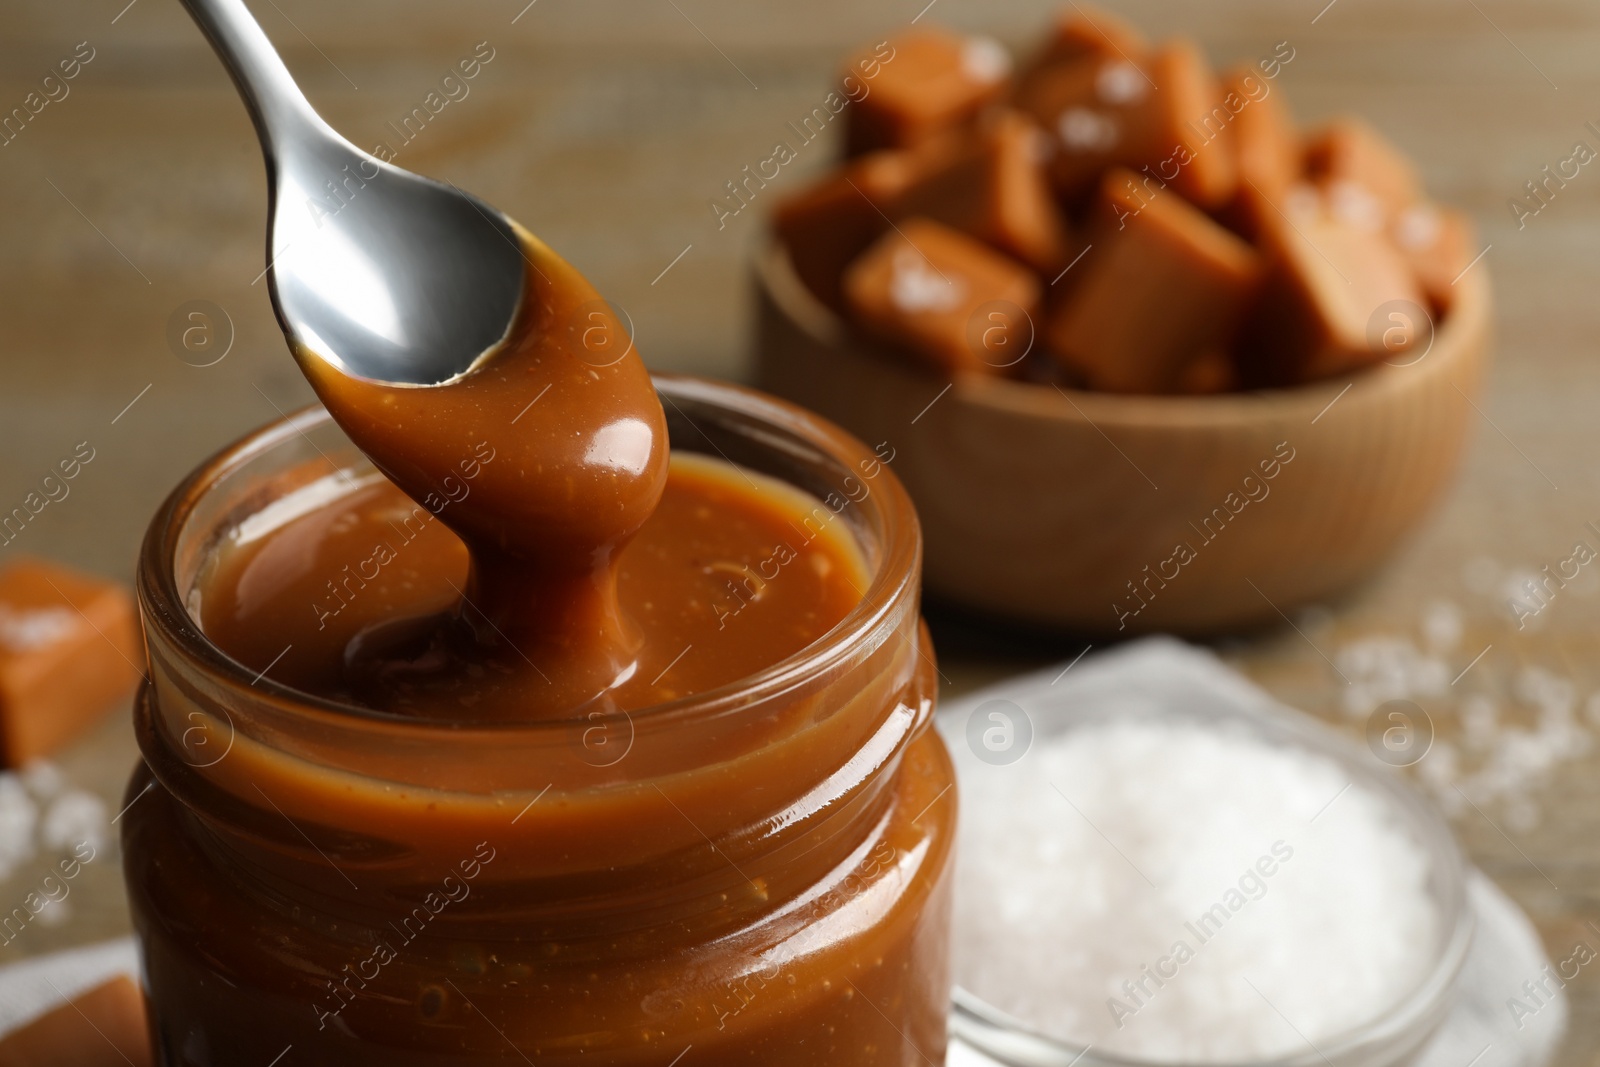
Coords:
530,740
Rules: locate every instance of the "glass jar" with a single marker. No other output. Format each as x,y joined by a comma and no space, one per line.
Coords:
758,874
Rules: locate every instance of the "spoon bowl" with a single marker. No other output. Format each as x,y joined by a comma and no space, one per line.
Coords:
384,274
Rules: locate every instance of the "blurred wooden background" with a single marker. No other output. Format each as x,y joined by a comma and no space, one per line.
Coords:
608,126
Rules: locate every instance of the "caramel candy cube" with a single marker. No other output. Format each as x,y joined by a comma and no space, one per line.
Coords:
1163,116
928,82
1438,244
68,648
1333,288
1266,147
104,1027
1367,180
829,224
1160,285
1266,144
1084,32
994,187
945,298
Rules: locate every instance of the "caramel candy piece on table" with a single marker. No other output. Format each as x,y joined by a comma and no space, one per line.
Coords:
1328,277
993,186
933,81
104,1027
1161,284
928,289
68,646
1163,116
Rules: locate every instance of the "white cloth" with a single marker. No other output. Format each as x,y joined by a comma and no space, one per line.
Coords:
34,986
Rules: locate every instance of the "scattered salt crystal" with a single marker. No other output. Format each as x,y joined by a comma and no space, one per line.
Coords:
1480,719
1522,599
18,817
43,779
1121,83
1145,874
72,818
54,913
1439,771
1550,692
985,59
1383,668
1083,130
1504,754
915,286
1514,751
1442,627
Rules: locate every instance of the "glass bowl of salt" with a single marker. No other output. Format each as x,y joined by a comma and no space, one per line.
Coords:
1158,865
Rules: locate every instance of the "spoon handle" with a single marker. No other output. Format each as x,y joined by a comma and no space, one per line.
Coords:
277,106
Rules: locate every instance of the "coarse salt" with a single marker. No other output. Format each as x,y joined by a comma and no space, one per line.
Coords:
1503,754
916,286
1121,84
985,59
23,631
76,816
1083,130
1185,892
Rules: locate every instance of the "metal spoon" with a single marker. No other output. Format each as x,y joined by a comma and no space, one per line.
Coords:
385,274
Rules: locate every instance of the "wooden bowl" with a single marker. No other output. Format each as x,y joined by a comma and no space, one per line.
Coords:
1101,513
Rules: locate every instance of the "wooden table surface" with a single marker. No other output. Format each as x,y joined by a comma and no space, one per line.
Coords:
608,126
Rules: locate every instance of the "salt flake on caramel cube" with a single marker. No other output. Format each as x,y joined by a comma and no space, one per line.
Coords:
68,648
1367,180
1438,244
828,224
993,186
945,298
1085,32
1159,115
1160,286
930,81
1333,289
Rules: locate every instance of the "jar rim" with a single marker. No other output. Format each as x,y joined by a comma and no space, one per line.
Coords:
895,578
